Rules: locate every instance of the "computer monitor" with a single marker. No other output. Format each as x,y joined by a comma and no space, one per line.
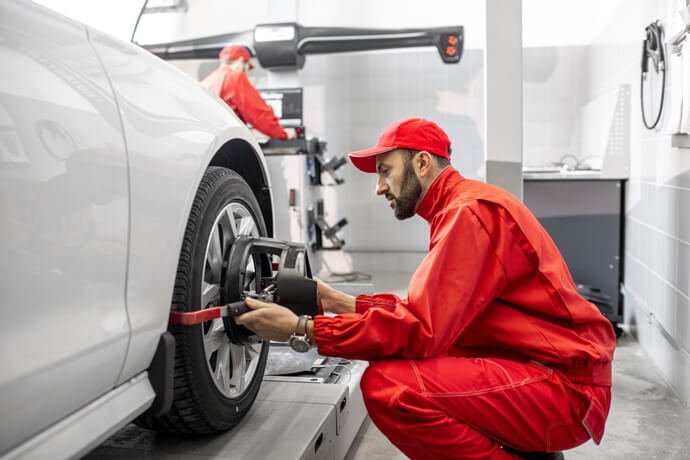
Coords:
286,103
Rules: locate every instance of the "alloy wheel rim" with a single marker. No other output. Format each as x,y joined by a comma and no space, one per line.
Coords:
231,366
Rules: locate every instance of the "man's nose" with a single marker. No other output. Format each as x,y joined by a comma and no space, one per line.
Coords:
381,186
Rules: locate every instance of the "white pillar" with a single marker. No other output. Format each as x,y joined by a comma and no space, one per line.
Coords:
503,94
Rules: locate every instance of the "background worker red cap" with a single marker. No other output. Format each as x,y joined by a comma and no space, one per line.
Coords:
234,52
411,133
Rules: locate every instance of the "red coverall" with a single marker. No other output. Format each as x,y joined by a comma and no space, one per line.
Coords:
238,92
492,347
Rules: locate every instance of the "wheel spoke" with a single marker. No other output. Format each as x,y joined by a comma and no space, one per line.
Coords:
210,294
222,362
246,226
228,232
239,367
253,352
250,277
214,338
214,258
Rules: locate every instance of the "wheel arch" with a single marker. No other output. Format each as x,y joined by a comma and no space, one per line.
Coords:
240,156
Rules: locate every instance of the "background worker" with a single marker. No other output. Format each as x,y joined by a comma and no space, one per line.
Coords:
493,354
229,81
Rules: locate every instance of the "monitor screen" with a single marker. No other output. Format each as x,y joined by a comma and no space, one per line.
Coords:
286,103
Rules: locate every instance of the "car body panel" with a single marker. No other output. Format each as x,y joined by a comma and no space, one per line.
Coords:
81,431
102,148
173,126
64,220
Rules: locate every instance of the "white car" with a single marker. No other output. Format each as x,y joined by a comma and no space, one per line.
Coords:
123,184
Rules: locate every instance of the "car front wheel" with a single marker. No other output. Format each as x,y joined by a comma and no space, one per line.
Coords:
216,380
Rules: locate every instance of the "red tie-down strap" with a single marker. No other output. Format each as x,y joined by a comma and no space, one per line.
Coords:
188,318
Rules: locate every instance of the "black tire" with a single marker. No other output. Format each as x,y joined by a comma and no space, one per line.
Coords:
200,405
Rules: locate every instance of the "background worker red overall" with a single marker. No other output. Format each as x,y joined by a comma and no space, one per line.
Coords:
493,354
229,81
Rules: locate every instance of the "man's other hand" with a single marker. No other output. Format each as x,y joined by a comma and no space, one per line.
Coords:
291,133
333,300
269,321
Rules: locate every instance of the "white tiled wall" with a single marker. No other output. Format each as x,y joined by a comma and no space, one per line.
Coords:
657,242
554,90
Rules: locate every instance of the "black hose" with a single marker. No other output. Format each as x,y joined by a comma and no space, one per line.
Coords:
653,46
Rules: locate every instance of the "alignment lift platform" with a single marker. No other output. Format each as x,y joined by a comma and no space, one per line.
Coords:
312,414
304,416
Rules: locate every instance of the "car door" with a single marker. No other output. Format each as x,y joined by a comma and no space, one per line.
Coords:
63,223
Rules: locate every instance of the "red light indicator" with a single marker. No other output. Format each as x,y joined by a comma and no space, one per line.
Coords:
452,40
451,50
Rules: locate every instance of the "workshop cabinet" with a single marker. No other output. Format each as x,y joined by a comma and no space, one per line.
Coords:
585,219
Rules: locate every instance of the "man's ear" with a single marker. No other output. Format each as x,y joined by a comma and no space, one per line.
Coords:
424,162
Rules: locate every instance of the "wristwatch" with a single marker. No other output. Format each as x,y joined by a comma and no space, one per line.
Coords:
299,340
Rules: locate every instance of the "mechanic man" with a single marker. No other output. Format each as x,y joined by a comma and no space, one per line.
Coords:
229,81
493,354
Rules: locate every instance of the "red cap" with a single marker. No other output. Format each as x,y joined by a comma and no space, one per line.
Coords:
233,52
411,133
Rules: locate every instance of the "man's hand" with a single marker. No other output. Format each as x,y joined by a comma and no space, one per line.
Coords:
269,321
333,300
291,133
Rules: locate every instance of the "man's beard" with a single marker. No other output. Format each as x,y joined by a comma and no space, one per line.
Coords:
410,191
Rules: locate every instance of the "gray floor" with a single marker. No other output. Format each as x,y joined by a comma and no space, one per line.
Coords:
647,420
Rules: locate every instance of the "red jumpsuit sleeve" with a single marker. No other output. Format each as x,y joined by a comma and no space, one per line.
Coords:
255,111
364,302
455,282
